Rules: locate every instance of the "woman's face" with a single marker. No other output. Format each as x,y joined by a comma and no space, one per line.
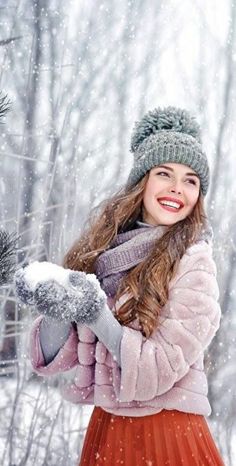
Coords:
171,192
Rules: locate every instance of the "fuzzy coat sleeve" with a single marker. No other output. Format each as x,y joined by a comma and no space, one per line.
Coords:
66,358
188,323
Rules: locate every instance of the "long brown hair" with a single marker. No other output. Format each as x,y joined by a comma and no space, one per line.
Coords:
147,283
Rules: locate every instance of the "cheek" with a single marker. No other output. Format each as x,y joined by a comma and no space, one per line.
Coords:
148,201
145,200
192,199
152,188
148,193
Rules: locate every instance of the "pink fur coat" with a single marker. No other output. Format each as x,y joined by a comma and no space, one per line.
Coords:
165,371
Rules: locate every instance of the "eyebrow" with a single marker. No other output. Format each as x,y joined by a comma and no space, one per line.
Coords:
171,169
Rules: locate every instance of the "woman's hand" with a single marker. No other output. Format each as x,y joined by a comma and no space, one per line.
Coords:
59,293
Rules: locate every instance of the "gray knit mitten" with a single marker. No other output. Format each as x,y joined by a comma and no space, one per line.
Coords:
60,293
63,295
23,290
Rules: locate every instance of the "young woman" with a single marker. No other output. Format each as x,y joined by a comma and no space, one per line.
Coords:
136,305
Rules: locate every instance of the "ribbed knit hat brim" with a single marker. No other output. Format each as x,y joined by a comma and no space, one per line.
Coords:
171,147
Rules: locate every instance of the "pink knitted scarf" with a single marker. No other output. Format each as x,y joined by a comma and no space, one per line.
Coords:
129,249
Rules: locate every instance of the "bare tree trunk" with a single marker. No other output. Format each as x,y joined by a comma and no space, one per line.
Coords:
227,105
29,143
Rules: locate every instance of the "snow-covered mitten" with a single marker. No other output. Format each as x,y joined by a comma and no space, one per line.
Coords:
27,278
64,295
81,301
22,289
60,293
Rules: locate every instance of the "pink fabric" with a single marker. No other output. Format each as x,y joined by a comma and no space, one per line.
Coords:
65,359
163,372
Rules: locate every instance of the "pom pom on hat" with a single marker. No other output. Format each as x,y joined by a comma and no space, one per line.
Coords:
169,119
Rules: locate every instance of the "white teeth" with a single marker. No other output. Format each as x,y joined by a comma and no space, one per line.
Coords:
170,204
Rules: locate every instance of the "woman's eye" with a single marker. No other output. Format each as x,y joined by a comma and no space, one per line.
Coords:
190,180
162,173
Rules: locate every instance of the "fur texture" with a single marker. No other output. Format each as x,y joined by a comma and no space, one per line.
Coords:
162,372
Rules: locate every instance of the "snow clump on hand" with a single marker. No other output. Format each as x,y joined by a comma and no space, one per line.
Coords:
60,293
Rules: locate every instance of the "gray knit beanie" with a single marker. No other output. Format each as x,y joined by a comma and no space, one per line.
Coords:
168,135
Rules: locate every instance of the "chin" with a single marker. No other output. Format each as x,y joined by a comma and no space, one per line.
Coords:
168,222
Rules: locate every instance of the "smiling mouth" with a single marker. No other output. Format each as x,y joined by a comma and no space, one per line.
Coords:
170,206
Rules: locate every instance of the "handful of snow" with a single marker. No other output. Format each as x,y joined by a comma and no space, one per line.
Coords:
59,293
40,272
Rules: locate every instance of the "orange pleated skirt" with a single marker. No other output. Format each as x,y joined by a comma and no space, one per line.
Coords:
170,438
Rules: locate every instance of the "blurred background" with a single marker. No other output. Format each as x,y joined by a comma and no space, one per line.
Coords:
79,74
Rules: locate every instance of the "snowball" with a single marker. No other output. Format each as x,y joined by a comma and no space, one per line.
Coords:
44,271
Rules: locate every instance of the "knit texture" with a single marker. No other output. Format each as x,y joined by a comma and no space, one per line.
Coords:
168,135
129,249
126,251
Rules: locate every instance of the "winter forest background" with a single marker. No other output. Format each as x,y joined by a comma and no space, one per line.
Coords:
79,73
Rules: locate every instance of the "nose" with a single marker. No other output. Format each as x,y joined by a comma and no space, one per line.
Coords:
176,187
175,191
